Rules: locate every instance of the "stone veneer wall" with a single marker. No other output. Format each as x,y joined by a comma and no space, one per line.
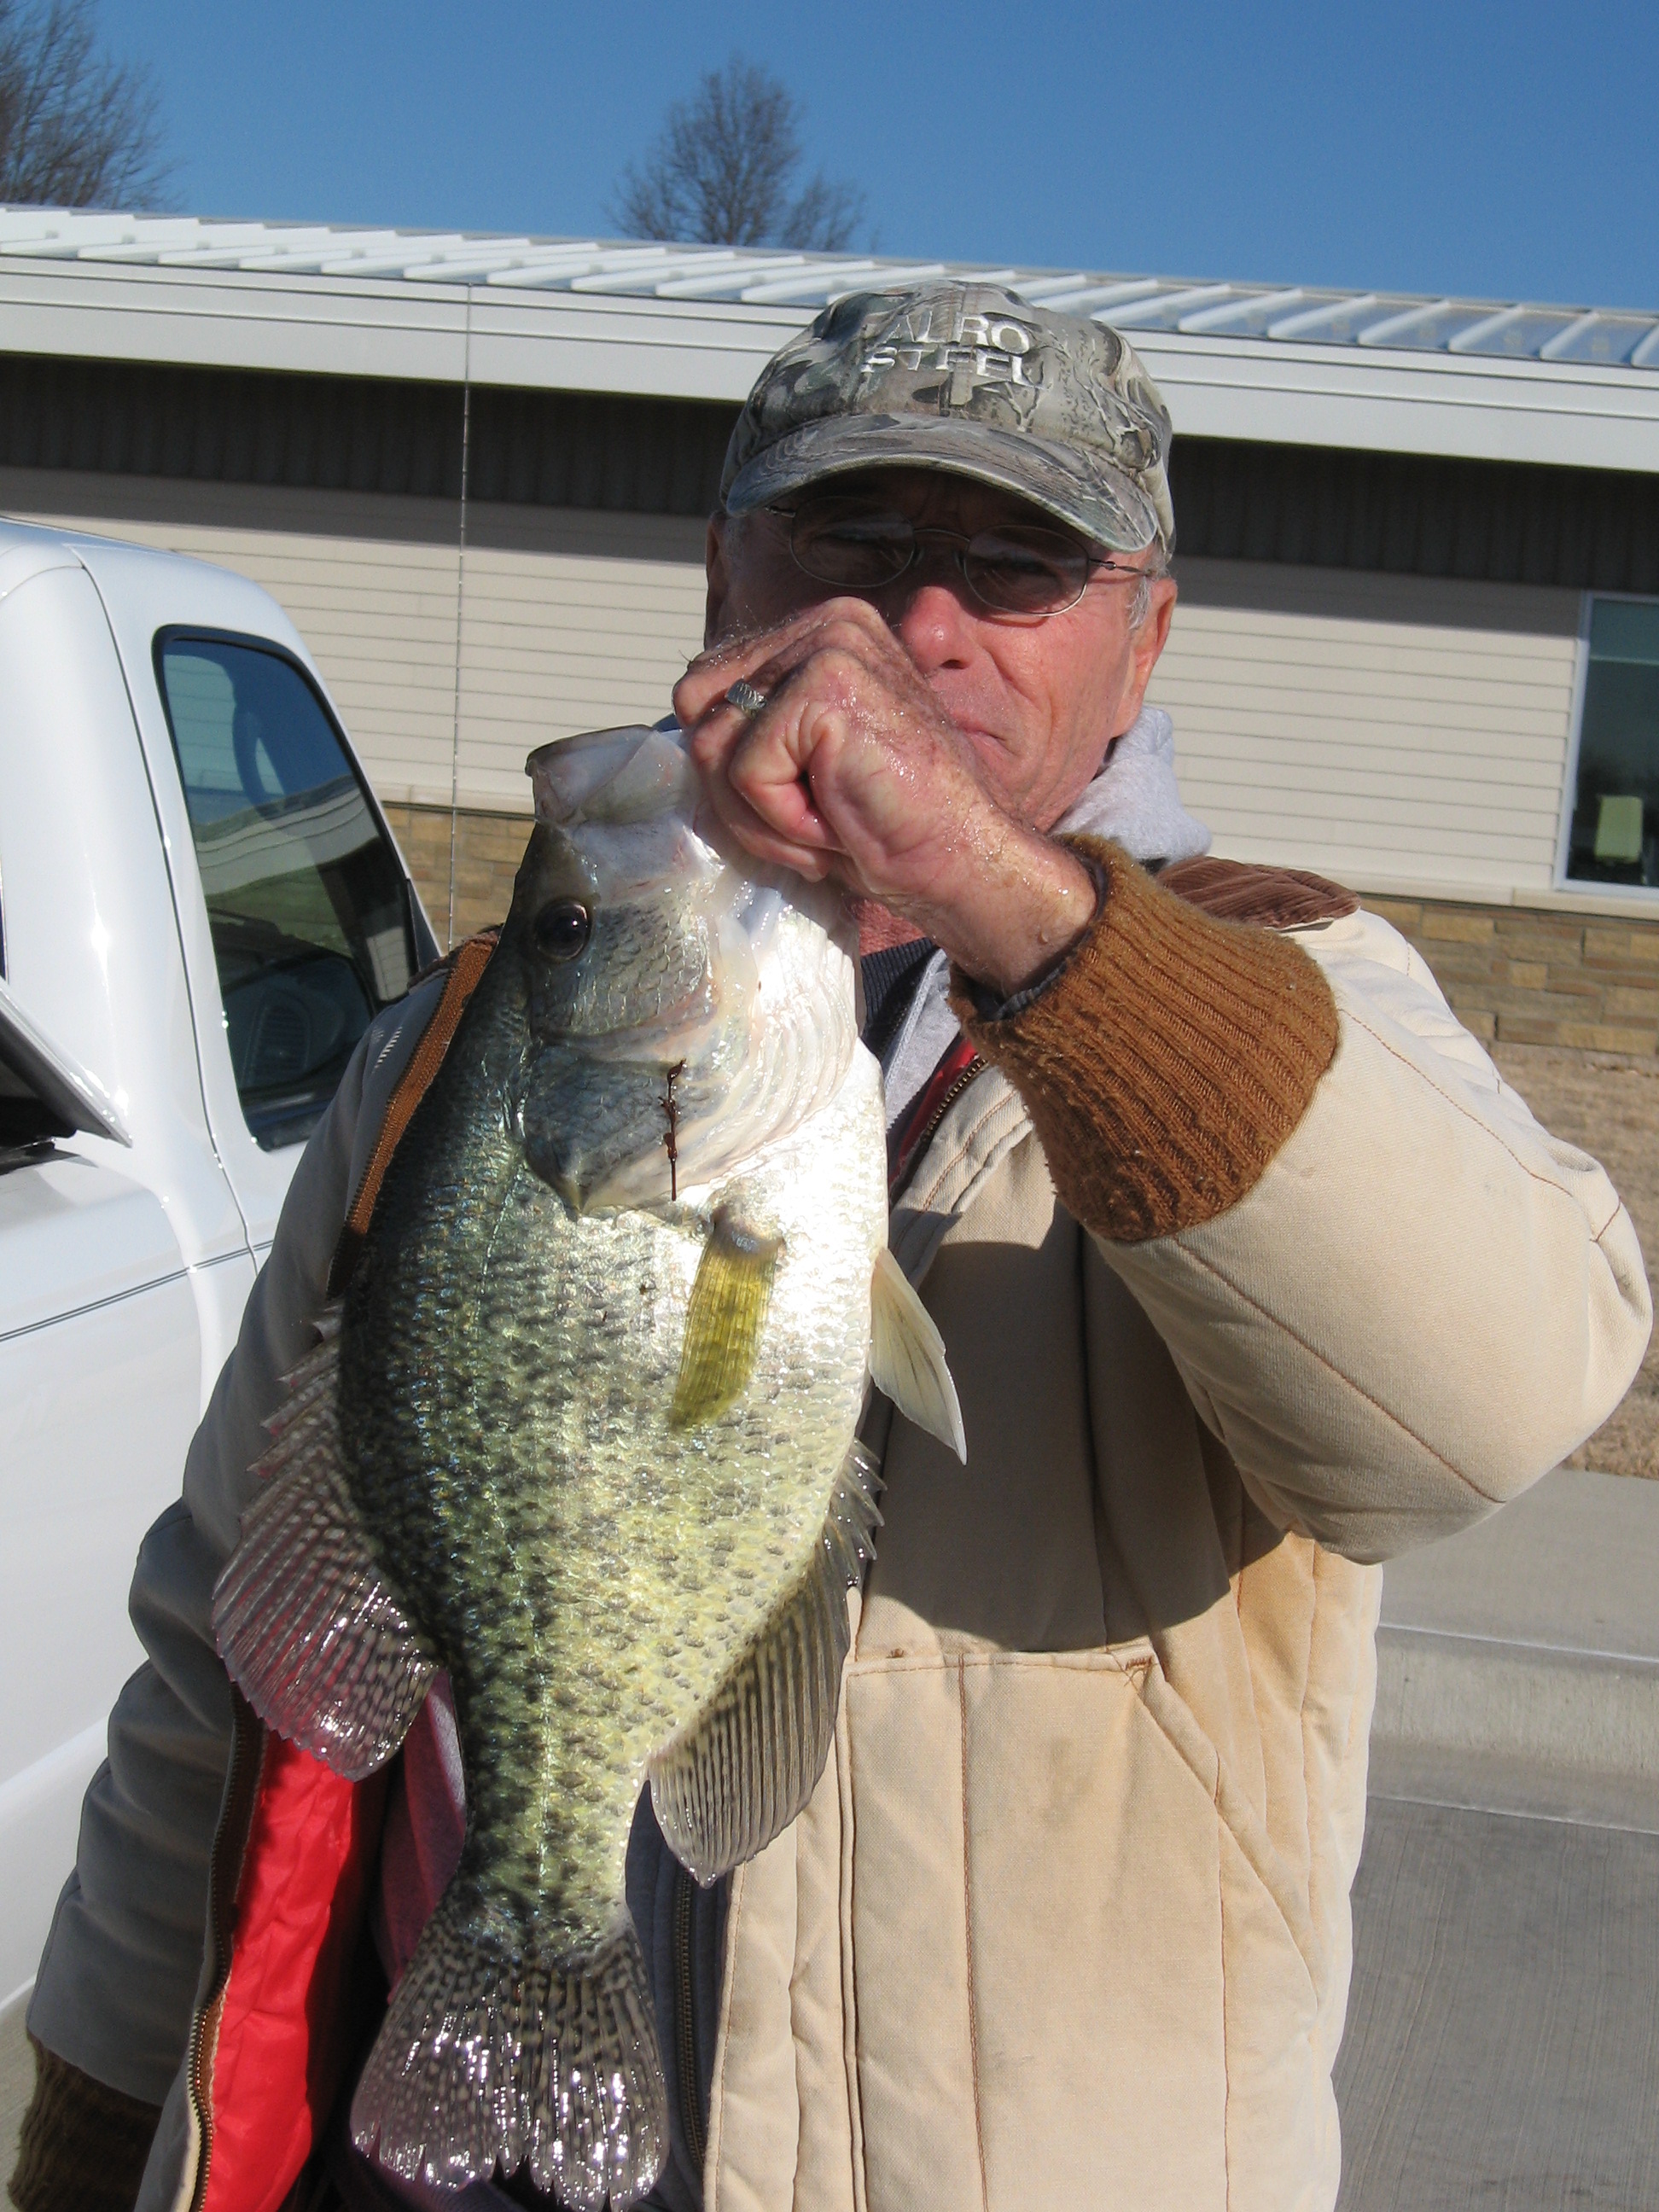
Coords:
488,850
1522,975
1514,975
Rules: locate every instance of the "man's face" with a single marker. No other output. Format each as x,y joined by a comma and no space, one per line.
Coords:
1039,701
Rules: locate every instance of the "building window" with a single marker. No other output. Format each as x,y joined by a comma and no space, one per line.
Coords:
1614,837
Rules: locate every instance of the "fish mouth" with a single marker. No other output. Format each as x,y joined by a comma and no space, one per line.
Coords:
679,1033
619,776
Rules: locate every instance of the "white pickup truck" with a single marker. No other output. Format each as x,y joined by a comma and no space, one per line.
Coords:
201,909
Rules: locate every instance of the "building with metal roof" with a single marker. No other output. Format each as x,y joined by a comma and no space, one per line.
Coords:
1483,379
1418,645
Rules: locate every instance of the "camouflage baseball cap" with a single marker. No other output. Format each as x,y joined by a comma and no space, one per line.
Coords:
969,379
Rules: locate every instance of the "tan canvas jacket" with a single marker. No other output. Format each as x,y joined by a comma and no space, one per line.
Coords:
1066,1921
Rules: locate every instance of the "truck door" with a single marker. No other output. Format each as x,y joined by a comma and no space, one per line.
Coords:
100,1372
296,915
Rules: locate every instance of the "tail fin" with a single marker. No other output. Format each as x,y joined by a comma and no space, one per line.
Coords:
491,2055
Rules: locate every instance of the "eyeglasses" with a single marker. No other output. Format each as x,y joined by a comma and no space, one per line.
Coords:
1018,569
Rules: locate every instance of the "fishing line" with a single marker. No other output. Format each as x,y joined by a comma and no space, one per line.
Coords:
461,592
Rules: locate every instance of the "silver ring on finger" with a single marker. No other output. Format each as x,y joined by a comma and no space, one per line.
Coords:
745,697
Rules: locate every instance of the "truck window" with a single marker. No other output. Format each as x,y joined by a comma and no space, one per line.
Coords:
28,1121
310,916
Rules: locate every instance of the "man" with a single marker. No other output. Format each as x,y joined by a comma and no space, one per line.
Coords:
1250,1273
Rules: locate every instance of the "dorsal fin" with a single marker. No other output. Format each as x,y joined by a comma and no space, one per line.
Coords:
310,1630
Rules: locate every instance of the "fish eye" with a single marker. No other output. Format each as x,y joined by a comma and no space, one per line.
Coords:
562,928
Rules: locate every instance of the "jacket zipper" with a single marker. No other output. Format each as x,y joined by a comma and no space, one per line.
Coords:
241,1783
918,1146
687,2070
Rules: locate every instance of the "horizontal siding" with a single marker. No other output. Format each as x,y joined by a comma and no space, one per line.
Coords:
378,613
1312,732
590,631
569,620
380,619
1382,729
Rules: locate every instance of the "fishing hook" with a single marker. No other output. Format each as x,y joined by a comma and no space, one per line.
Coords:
670,1108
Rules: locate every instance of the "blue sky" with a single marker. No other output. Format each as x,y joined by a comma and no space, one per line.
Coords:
1503,151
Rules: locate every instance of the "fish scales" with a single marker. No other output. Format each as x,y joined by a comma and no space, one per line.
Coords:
583,1437
588,1572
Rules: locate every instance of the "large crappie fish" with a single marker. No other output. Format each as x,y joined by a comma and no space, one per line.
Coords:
581,1433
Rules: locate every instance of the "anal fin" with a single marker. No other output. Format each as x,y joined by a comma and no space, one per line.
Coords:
907,1356
741,1771
723,1322
311,1634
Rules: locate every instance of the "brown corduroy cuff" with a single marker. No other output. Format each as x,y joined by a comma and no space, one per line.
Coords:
1166,1060
83,2145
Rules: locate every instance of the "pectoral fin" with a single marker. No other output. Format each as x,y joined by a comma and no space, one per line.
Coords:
907,1356
723,1322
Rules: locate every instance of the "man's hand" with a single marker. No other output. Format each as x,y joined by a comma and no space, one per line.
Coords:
853,771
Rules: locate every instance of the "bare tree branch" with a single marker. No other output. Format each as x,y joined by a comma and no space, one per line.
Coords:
720,170
77,129
825,216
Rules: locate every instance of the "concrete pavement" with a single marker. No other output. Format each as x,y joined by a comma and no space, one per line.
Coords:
1502,2042
16,2083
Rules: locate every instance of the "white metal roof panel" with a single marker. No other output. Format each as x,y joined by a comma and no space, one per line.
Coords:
1508,379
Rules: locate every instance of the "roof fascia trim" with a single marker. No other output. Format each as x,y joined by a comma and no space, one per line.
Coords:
1377,398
